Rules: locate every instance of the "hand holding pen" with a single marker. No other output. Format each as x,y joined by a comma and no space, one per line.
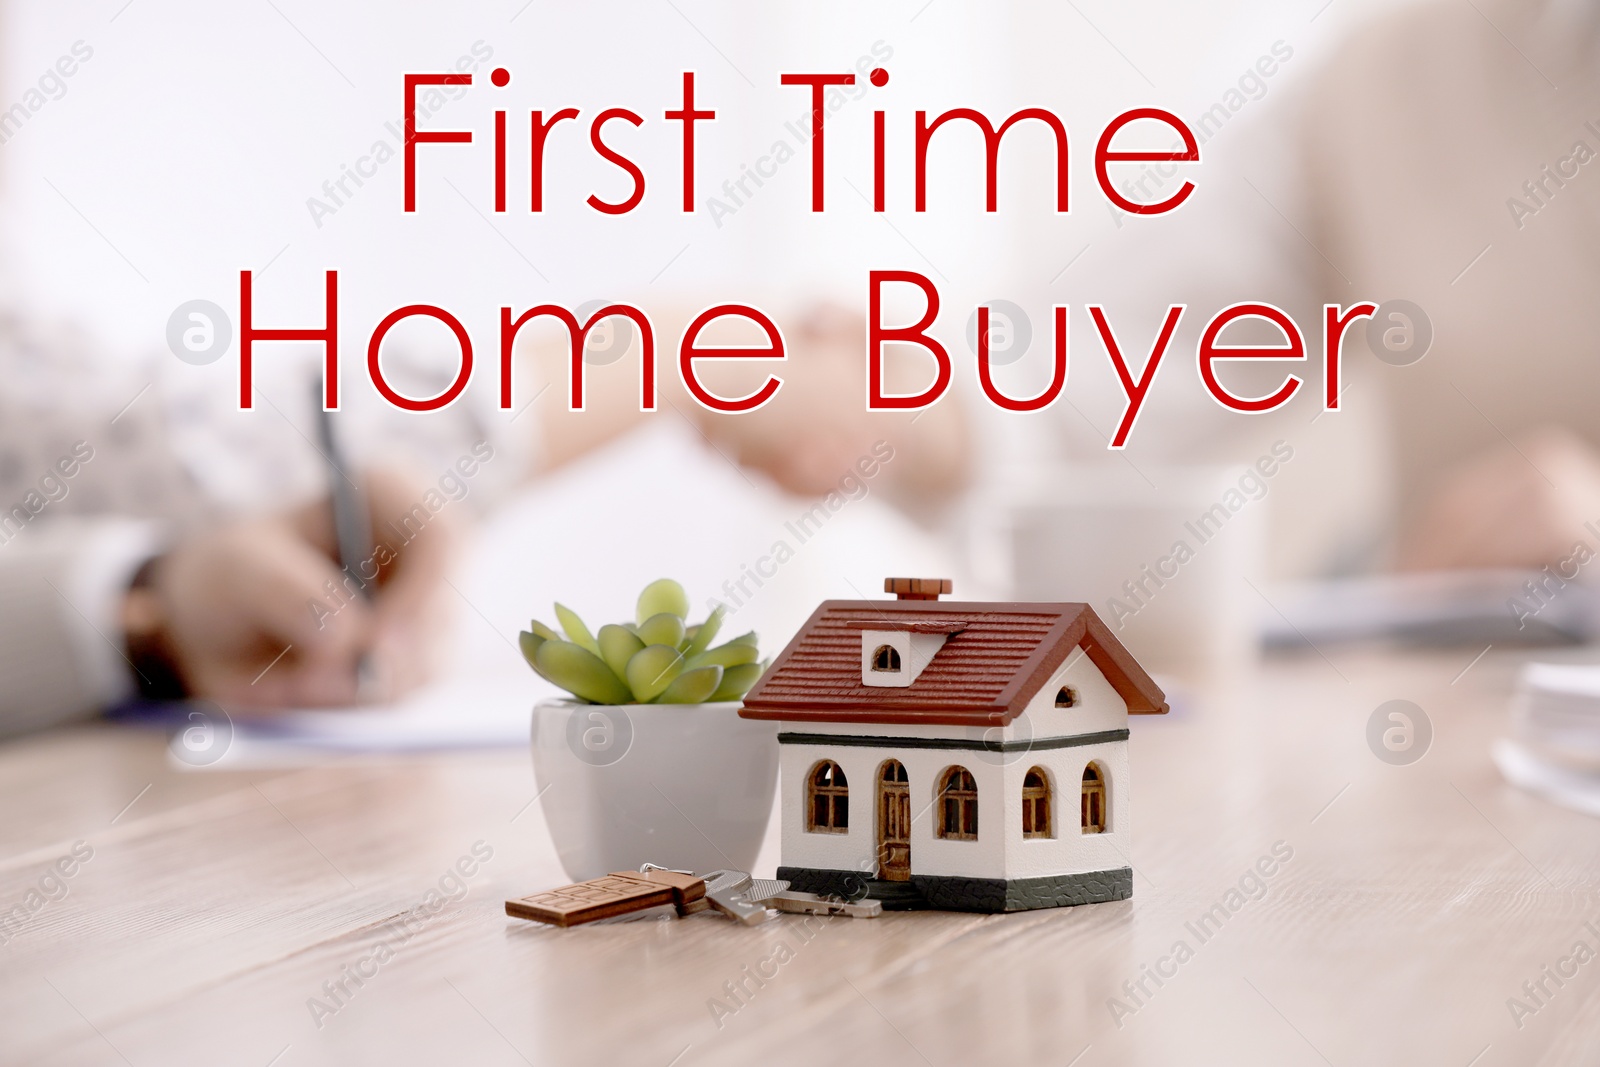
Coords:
257,612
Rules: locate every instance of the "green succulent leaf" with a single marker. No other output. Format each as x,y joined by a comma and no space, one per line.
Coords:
529,644
736,681
617,646
576,631
662,629
663,595
732,654
652,669
658,658
580,672
692,687
705,633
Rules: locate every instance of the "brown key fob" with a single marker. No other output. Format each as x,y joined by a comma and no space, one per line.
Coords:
618,893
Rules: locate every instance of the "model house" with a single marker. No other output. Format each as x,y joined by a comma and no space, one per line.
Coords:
969,756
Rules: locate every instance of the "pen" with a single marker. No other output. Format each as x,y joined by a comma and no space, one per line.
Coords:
352,528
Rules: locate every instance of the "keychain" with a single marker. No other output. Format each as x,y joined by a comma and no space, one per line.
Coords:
732,893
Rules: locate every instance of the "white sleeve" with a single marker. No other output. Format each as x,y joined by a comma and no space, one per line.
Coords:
61,584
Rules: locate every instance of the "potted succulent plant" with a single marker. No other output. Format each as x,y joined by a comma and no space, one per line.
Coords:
648,760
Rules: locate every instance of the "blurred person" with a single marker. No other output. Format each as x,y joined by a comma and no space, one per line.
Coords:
1495,432
171,546
1442,154
119,575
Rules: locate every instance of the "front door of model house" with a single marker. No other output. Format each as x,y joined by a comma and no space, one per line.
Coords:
894,823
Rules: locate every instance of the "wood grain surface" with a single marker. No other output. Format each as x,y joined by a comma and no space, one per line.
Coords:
218,909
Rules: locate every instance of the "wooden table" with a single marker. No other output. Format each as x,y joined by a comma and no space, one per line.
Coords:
1418,899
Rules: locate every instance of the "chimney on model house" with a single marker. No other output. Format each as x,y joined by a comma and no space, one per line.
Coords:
916,588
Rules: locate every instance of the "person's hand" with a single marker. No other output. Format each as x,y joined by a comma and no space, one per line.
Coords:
1523,506
256,613
817,430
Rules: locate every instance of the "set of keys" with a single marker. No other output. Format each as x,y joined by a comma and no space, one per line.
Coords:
735,894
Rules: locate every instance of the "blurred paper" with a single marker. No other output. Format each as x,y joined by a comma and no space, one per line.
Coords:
459,713
1567,786
1554,750
1556,712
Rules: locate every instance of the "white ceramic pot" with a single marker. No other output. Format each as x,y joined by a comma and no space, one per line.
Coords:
682,785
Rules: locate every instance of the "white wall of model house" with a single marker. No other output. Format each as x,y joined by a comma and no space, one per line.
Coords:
1000,850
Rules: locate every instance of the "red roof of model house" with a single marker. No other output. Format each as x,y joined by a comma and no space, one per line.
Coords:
997,656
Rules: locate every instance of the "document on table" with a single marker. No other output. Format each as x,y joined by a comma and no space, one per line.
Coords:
492,712
1554,750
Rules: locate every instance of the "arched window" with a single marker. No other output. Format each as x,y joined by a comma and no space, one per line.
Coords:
958,805
1066,697
827,799
1094,800
1036,804
887,659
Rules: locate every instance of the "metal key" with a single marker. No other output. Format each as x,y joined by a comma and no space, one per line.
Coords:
812,904
687,907
764,889
737,896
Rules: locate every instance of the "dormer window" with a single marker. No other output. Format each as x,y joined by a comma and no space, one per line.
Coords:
1067,697
892,659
